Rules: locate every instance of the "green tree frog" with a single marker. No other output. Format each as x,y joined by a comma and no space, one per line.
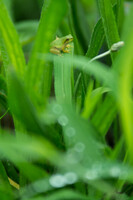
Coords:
61,45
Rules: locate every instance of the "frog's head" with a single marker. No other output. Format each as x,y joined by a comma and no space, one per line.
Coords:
68,39
61,43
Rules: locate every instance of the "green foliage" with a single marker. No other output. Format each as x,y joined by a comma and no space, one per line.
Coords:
109,22
10,45
66,120
37,69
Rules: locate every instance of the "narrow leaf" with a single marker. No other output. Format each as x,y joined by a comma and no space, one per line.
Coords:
52,14
109,23
9,42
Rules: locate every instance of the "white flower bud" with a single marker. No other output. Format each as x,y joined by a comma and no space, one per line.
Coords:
117,46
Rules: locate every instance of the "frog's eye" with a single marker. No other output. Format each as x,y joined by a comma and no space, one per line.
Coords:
67,40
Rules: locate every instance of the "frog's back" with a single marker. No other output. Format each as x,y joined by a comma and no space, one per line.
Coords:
56,43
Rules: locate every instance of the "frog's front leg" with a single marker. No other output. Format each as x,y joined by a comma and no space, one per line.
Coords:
66,51
68,46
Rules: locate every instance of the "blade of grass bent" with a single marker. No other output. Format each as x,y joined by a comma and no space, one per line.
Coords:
62,194
98,70
18,149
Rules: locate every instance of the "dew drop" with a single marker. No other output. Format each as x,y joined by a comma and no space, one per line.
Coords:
99,168
57,181
115,171
79,147
57,109
71,177
70,132
91,175
72,157
63,120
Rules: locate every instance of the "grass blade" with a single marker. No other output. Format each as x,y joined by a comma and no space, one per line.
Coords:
63,79
96,41
104,115
109,23
38,69
124,67
82,27
9,41
25,112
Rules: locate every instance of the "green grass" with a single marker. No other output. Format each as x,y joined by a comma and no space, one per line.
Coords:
66,121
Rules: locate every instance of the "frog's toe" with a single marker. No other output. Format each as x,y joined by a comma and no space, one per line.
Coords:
66,51
68,46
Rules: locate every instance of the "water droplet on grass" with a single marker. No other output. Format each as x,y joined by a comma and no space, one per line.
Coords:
79,147
71,177
73,157
115,171
91,175
57,181
63,120
57,109
70,131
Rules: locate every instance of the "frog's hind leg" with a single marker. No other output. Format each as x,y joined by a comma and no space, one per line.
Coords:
55,51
